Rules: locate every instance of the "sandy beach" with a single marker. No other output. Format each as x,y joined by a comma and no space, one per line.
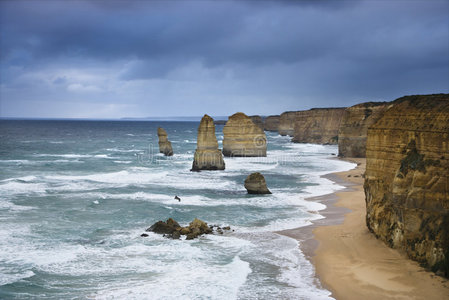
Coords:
350,261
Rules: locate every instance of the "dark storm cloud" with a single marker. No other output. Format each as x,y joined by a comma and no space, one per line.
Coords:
281,54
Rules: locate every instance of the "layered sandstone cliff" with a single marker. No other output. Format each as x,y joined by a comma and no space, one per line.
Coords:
207,155
241,137
354,127
164,144
271,123
407,179
317,125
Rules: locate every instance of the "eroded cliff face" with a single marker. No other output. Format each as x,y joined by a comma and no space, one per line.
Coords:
164,144
241,137
407,179
271,123
207,155
354,127
318,125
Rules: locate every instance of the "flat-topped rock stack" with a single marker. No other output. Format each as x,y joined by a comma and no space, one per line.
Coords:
207,155
258,120
318,125
164,144
354,127
241,137
287,121
271,123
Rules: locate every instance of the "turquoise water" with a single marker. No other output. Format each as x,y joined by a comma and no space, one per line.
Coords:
76,195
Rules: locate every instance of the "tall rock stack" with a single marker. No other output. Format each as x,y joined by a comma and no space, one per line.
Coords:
407,179
271,123
164,144
318,125
354,127
241,137
207,155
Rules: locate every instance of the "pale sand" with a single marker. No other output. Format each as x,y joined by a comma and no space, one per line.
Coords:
351,262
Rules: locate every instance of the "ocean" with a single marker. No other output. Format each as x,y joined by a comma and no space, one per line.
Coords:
75,196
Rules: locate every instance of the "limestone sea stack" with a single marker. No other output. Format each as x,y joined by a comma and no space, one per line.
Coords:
271,123
164,144
318,125
354,127
255,184
207,155
407,179
258,120
241,137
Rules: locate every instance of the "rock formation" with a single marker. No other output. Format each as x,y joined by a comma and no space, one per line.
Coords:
255,184
220,122
354,127
257,120
164,143
407,179
287,122
173,230
207,155
241,137
318,125
271,123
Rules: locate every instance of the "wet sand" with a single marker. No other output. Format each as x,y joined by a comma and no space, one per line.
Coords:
350,261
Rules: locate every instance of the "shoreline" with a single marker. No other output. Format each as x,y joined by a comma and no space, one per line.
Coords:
349,261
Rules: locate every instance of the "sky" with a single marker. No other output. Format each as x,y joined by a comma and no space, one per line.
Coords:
114,59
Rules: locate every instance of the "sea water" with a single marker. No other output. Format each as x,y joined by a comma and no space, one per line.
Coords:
75,196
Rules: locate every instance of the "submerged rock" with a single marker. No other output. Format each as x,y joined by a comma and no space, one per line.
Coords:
207,155
164,144
255,184
241,137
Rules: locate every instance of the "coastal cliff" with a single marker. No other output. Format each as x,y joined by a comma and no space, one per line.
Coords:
164,144
407,179
271,123
354,127
207,155
317,125
241,137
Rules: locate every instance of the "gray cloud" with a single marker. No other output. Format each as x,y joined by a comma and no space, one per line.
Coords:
149,58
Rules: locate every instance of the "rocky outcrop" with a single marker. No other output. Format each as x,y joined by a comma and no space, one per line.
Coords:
354,127
241,137
255,184
207,155
271,123
318,125
257,120
164,144
173,230
407,179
